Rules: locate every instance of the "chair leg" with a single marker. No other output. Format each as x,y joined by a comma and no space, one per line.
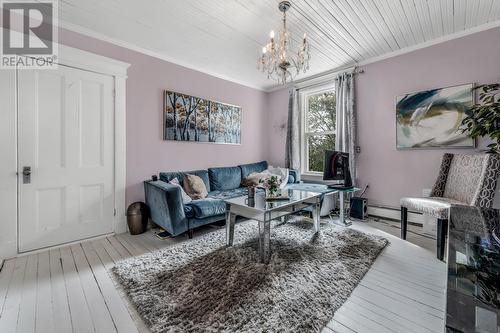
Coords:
442,230
404,222
190,233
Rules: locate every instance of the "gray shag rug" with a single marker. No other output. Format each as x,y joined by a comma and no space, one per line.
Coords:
203,286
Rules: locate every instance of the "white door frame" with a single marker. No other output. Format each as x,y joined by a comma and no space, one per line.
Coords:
87,61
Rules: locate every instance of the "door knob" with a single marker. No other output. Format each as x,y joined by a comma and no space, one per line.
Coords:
26,175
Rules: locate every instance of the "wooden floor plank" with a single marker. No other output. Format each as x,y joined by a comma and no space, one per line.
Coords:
60,305
337,327
104,256
139,241
423,286
159,243
403,290
117,309
134,248
27,307
402,307
108,264
97,306
117,245
409,325
387,323
44,316
80,315
110,250
5,280
10,314
357,324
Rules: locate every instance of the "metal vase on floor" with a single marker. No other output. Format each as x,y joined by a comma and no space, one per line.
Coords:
137,218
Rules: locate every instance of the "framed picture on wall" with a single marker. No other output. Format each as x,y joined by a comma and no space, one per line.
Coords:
190,118
432,118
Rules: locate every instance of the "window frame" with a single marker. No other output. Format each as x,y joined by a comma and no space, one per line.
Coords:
304,94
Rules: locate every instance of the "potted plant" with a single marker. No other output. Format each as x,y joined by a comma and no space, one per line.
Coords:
272,186
483,118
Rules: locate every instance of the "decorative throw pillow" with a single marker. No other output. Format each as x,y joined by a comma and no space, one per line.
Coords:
185,198
195,187
254,178
282,173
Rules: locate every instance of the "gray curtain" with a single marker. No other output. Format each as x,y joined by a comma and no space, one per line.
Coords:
292,156
346,119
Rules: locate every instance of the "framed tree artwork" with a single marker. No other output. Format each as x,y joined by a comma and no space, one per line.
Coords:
190,118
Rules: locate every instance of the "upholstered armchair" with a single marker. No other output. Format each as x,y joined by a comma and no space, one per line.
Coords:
464,179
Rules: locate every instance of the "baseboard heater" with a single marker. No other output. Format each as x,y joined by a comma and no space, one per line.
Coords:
394,214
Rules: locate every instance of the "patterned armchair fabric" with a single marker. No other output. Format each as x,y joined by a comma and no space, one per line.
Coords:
464,179
434,206
439,185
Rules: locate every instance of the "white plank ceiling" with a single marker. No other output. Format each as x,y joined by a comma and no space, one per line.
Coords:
224,37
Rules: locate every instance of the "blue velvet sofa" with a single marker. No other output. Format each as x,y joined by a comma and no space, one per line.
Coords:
169,212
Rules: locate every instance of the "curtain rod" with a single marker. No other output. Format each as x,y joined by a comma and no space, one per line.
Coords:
324,78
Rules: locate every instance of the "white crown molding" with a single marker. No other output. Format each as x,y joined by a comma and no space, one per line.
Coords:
325,75
91,33
456,35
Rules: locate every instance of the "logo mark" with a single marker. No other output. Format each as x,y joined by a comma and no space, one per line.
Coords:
29,35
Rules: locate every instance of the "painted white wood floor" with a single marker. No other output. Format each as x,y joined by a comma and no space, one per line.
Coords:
70,289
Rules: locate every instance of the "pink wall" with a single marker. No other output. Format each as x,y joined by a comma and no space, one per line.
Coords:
147,153
390,173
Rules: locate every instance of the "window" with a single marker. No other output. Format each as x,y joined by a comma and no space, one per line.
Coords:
318,127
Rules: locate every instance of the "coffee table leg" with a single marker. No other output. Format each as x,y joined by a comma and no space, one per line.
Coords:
342,210
230,220
316,215
264,241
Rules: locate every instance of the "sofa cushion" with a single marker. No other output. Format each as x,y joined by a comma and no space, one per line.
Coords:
254,178
228,194
203,174
185,198
222,179
195,187
247,169
207,207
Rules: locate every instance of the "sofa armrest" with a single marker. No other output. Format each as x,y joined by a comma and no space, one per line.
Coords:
295,174
166,207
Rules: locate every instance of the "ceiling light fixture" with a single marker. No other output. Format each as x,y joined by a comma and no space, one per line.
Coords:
277,61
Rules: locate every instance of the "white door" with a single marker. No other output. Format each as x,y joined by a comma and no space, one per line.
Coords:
65,136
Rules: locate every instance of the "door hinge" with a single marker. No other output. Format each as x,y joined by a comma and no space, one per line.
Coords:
115,212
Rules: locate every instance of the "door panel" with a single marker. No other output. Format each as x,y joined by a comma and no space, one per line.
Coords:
65,134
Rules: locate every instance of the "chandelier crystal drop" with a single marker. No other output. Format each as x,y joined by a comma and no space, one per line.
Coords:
277,60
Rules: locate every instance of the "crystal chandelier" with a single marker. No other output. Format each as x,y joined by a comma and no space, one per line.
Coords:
277,60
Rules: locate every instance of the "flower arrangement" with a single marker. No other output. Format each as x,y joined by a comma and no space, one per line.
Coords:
271,185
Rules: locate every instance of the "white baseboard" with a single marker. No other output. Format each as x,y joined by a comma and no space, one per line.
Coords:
395,214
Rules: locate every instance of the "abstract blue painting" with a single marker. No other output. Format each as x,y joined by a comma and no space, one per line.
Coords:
189,118
432,118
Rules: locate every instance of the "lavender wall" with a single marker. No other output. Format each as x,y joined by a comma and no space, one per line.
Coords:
277,106
390,173
147,153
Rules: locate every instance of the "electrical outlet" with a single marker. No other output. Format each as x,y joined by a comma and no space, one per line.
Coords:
426,192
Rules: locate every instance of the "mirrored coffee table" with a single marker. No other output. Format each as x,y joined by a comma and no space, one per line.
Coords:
265,211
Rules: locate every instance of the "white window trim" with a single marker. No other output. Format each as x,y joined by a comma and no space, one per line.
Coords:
303,95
